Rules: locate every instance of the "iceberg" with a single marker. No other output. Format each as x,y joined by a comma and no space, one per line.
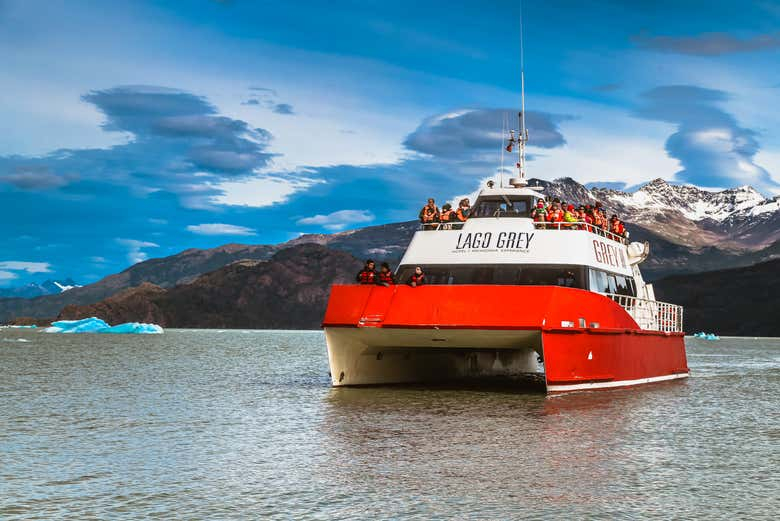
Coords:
706,336
95,325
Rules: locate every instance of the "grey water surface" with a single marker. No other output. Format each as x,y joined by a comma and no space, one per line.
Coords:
244,425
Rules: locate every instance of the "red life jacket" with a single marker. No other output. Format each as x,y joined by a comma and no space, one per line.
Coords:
386,277
446,216
417,279
367,276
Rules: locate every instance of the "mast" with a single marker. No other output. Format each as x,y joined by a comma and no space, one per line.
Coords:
522,138
523,131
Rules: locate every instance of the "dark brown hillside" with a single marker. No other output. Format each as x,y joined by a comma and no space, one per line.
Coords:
289,291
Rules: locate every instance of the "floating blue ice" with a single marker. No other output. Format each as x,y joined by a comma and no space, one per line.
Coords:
706,336
95,325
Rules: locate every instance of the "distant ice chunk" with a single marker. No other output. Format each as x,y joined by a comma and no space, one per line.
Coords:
95,325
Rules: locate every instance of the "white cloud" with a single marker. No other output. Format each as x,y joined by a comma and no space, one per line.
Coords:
7,275
260,191
220,229
29,267
338,220
134,249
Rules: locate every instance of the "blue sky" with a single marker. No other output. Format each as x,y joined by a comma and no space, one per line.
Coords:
131,130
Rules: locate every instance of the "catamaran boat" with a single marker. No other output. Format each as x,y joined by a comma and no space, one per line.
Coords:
507,298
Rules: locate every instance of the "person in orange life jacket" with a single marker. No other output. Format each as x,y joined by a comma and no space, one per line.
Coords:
367,275
462,213
417,278
614,225
385,276
555,215
429,213
584,218
622,229
447,214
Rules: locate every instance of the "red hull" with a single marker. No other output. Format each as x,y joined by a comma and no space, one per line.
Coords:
588,340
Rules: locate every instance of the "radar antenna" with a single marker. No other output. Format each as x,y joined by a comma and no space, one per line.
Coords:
522,137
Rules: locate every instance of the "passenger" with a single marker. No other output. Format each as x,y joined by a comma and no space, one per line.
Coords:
464,209
555,215
367,275
417,278
614,226
447,215
570,216
539,214
385,276
584,218
429,215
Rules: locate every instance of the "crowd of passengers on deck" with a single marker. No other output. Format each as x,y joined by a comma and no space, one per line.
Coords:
556,214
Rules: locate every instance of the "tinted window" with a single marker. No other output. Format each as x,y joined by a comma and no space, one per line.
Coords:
498,206
527,275
604,282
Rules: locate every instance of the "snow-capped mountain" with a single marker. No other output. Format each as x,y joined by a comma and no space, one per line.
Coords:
48,287
734,219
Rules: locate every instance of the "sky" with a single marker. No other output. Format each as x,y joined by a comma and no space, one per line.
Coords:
134,130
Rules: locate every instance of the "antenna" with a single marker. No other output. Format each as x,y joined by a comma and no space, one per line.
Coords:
523,138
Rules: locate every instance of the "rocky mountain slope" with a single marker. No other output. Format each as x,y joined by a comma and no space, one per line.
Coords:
737,219
164,272
690,230
288,291
740,301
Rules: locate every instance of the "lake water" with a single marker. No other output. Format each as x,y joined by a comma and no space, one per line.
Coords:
244,424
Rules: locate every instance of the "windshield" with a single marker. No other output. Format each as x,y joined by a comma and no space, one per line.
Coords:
502,206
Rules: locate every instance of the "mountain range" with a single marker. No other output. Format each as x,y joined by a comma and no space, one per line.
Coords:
47,287
690,231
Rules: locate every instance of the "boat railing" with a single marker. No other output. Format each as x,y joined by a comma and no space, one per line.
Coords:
652,314
581,225
457,225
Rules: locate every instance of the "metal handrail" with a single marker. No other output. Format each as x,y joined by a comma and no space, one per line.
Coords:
651,314
581,225
453,225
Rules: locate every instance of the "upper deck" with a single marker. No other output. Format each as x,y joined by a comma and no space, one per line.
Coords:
501,231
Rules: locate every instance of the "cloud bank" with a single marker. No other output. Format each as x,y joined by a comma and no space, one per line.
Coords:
713,149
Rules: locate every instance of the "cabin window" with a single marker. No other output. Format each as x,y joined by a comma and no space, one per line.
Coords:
604,282
526,275
502,206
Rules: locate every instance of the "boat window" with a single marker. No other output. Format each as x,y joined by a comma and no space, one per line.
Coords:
604,282
502,206
526,275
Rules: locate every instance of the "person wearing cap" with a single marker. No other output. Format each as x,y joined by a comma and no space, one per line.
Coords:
570,216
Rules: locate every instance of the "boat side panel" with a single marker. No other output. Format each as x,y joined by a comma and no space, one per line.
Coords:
473,307
597,358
